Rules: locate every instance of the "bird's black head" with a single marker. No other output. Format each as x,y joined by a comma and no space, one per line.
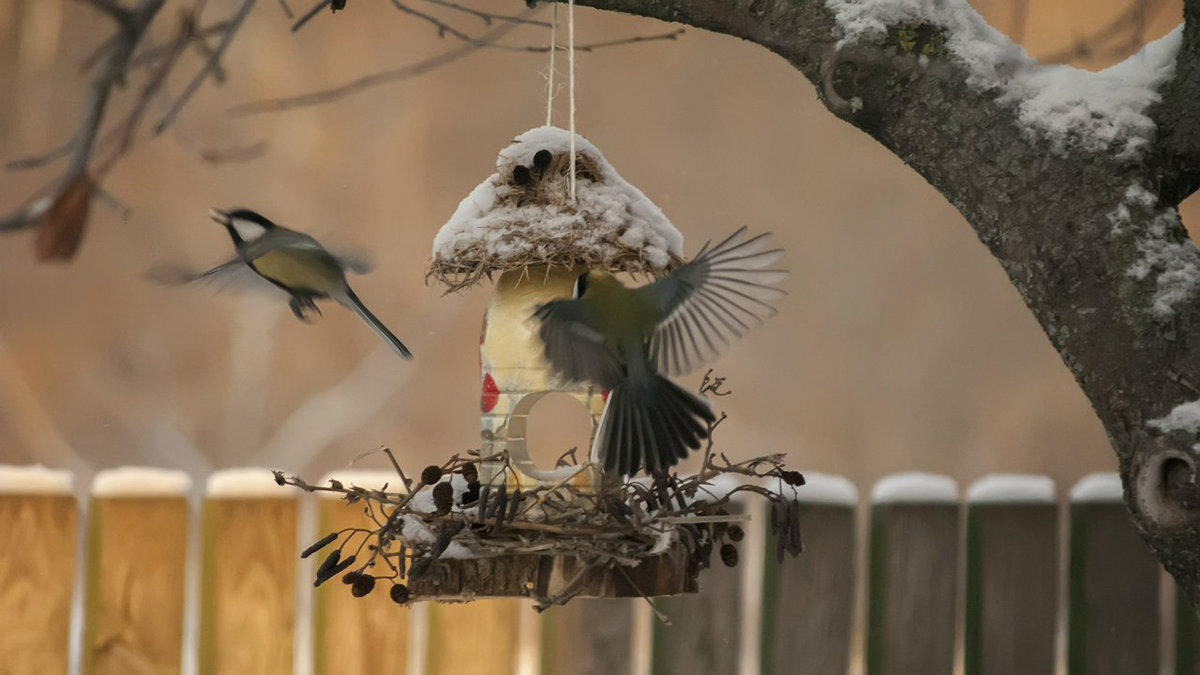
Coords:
243,225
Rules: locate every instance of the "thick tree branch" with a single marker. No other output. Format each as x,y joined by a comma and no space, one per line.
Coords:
1079,209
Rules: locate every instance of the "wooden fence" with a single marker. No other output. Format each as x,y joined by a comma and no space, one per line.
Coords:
917,582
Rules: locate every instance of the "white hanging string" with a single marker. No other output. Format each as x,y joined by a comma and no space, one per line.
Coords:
570,79
550,78
571,87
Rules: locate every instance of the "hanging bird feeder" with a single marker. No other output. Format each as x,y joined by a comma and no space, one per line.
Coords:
495,523
520,227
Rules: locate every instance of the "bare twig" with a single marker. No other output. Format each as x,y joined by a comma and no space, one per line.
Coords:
488,17
111,8
235,153
308,16
366,82
210,67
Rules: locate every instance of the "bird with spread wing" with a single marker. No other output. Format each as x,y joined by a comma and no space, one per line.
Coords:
626,340
288,260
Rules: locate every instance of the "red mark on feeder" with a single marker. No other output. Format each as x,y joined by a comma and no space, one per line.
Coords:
491,393
604,395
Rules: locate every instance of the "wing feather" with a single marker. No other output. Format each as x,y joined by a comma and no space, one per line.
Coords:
577,351
713,300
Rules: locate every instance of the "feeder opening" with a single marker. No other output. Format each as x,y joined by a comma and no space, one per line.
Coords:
556,424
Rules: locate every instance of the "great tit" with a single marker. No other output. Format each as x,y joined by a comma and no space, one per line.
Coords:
622,339
297,264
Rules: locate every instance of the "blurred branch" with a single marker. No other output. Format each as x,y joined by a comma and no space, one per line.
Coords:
308,16
368,81
445,29
488,17
471,44
234,154
132,25
211,66
1122,36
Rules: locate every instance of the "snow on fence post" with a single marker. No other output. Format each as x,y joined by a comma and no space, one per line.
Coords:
588,636
38,518
356,635
808,601
1113,585
912,575
248,582
1012,575
137,544
705,635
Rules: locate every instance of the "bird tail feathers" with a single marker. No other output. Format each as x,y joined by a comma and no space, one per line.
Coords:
651,426
351,302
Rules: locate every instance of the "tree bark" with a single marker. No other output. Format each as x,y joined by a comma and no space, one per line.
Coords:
1089,236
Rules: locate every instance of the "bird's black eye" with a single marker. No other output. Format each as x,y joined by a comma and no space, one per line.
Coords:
541,159
521,175
581,285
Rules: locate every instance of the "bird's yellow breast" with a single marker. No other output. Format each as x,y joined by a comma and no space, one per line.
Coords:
302,270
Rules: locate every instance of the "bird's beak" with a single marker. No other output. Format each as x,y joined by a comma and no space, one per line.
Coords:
220,217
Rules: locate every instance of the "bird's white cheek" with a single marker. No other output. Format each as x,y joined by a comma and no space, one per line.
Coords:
247,230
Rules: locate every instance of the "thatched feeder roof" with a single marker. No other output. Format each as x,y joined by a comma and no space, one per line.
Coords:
522,215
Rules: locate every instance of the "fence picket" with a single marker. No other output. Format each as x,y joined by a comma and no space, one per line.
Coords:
137,541
37,560
912,575
807,602
1187,636
1114,611
704,635
249,578
480,638
1012,576
137,536
588,636
357,635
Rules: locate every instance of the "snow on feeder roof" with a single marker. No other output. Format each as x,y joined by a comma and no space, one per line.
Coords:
521,216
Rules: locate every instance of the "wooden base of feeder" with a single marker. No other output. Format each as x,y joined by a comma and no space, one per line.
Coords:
547,576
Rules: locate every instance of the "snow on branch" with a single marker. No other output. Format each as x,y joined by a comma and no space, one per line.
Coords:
1068,107
1183,417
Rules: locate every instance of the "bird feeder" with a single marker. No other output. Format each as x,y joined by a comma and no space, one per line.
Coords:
521,226
498,524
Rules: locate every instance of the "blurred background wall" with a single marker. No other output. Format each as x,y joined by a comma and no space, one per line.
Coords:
901,344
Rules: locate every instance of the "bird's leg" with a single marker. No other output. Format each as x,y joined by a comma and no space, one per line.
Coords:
304,307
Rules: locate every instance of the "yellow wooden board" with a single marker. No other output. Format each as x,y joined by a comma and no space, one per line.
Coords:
249,586
37,562
136,556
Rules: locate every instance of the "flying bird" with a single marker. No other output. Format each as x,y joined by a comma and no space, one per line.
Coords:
627,340
294,262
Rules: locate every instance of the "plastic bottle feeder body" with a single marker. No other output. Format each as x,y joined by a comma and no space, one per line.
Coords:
514,376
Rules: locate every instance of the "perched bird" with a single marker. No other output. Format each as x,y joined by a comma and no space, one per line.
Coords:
625,339
292,261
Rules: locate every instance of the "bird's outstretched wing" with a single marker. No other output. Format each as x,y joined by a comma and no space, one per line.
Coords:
233,274
711,300
576,350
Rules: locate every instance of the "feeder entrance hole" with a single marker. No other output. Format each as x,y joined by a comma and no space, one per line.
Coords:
543,426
